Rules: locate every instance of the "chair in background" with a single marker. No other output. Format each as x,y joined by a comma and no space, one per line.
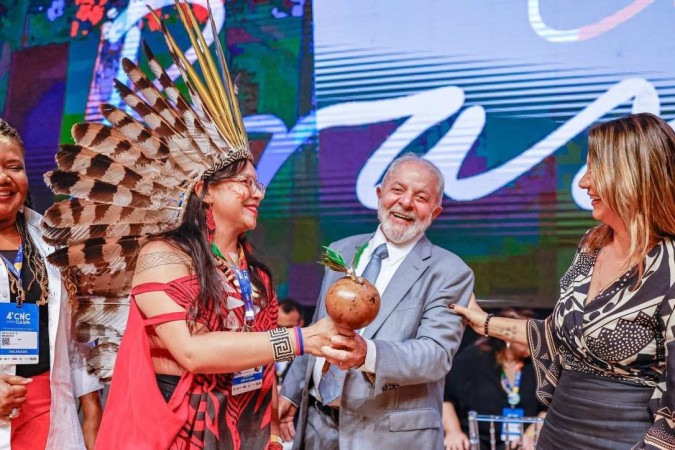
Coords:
474,418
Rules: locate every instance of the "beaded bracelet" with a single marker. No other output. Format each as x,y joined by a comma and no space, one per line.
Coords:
282,345
485,325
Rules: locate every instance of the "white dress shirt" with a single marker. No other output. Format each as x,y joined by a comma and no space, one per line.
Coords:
396,255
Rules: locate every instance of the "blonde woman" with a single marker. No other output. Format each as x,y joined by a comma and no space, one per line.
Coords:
604,358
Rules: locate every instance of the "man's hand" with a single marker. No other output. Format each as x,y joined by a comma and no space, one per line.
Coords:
287,412
346,352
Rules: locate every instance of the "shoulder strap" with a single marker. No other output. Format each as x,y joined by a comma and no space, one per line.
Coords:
159,318
148,287
163,318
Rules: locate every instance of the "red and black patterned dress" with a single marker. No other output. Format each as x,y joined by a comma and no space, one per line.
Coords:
202,413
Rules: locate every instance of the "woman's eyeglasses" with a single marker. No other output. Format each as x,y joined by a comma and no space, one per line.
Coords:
251,183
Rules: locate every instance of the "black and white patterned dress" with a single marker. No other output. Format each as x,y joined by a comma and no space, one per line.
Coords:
620,343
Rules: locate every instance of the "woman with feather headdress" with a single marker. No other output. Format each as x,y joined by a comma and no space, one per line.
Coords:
166,204
34,309
202,304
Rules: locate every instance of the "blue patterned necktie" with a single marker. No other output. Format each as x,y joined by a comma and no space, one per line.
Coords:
330,386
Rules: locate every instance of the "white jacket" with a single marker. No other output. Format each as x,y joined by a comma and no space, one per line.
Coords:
68,376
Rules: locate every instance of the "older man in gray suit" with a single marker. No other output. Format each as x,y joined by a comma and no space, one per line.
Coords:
391,397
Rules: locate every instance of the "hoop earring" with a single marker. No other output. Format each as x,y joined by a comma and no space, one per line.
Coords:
210,224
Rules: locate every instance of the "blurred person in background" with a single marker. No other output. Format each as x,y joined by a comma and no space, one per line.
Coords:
290,313
488,377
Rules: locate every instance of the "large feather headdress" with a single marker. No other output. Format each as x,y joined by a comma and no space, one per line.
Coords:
130,180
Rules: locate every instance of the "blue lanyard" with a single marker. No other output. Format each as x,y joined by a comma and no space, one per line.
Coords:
244,285
513,394
516,382
246,295
15,268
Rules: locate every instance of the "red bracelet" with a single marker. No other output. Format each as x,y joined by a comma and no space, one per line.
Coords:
299,344
275,443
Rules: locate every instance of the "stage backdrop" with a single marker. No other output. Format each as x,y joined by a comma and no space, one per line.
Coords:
499,94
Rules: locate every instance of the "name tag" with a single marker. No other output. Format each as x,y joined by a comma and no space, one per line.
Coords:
511,430
19,333
247,380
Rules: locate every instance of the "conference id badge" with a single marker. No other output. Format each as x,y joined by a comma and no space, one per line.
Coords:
247,380
511,429
19,329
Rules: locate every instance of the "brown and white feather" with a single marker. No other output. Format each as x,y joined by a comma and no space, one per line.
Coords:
130,180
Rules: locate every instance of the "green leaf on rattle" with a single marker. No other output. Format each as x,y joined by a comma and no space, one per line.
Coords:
334,260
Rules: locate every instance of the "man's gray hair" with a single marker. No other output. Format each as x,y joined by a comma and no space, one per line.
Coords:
412,157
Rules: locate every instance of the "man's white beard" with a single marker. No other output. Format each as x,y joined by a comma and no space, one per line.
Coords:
399,233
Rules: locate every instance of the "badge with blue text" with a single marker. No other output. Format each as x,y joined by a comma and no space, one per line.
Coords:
512,430
247,380
19,332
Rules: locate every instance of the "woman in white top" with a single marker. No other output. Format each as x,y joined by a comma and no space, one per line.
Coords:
38,390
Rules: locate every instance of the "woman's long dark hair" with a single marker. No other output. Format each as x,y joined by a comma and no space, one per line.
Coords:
190,237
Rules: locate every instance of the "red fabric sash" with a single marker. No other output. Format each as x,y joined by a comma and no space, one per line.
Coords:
31,428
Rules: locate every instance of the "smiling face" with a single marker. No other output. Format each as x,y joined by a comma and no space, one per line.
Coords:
13,179
601,211
408,201
235,204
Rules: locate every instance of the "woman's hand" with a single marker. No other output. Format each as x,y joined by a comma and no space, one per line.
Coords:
319,334
456,440
13,391
473,314
528,442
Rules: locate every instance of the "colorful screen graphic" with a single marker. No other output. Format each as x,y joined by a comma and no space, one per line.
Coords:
498,94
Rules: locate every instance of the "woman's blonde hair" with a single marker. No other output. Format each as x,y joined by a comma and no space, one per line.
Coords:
632,162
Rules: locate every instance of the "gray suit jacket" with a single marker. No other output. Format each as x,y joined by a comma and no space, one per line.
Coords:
416,337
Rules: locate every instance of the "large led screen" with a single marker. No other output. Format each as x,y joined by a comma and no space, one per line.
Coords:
499,94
